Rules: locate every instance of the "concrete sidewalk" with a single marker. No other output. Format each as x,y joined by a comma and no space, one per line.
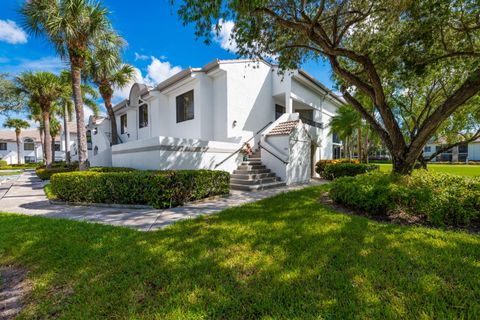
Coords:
26,196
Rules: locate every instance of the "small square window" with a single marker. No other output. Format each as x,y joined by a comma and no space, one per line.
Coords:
57,146
3,146
143,116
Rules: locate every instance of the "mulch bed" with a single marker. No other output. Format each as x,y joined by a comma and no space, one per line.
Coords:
14,286
400,218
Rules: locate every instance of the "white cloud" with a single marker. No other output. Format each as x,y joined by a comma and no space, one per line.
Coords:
157,71
139,56
11,33
48,63
224,36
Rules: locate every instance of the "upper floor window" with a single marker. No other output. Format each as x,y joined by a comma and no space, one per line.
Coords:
57,146
427,149
3,146
89,139
28,145
185,107
123,123
279,110
143,116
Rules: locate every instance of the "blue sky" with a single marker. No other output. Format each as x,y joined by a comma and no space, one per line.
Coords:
158,44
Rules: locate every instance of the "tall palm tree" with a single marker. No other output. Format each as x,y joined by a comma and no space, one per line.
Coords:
71,26
55,127
18,125
43,89
345,123
107,70
66,106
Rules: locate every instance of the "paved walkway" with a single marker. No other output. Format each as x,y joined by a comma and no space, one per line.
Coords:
26,196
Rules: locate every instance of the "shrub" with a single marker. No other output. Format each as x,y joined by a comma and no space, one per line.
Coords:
440,198
160,189
3,163
45,174
320,165
110,169
333,170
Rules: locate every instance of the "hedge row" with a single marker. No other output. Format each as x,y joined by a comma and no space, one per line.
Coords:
332,169
45,173
160,189
440,198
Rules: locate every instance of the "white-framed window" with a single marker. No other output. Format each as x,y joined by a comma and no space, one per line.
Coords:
185,107
57,146
143,116
28,144
3,146
427,149
123,124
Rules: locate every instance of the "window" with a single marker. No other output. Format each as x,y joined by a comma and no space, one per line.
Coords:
57,146
463,148
279,110
336,138
29,159
123,124
143,116
3,146
28,145
427,149
305,114
89,139
185,107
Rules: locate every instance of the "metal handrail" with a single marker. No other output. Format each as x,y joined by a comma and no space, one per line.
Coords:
243,144
262,147
311,122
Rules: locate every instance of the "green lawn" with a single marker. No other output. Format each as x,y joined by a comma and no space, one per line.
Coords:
463,170
286,257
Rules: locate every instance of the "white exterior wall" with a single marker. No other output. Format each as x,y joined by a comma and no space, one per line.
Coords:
299,167
474,151
164,153
10,155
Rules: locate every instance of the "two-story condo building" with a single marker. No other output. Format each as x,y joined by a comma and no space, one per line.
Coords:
201,118
31,146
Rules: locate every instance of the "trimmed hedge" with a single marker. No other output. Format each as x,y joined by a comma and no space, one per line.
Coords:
160,189
3,163
45,174
440,198
332,169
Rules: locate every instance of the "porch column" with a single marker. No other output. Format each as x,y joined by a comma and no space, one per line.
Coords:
288,103
455,154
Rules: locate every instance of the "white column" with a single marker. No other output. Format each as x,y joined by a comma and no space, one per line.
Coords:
288,103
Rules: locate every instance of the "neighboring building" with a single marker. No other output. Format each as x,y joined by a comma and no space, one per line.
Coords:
201,118
461,153
31,147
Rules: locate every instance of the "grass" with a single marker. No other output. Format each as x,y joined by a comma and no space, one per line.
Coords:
285,257
460,169
10,173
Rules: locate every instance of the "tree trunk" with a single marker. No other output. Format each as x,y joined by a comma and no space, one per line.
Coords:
402,166
17,135
82,135
53,149
359,144
48,138
42,141
113,122
66,133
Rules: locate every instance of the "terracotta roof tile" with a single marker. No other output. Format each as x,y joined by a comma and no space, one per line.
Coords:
283,128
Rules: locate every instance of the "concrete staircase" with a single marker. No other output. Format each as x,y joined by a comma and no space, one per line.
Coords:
253,175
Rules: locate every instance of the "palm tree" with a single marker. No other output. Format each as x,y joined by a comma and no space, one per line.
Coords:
107,70
43,89
71,26
55,127
345,123
18,125
65,106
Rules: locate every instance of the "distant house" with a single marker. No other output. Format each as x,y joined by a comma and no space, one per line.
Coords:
31,147
462,153
201,117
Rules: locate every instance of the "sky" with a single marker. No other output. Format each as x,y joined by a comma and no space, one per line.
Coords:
158,44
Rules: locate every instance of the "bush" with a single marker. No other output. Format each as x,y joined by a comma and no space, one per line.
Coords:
3,163
110,169
160,189
45,174
332,169
440,198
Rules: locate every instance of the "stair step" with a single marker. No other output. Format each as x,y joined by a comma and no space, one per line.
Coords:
254,181
251,167
253,171
252,176
254,187
251,163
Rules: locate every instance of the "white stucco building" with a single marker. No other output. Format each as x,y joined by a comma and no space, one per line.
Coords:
202,117
31,147
462,153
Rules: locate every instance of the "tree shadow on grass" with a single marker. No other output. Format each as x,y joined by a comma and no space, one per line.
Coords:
285,257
